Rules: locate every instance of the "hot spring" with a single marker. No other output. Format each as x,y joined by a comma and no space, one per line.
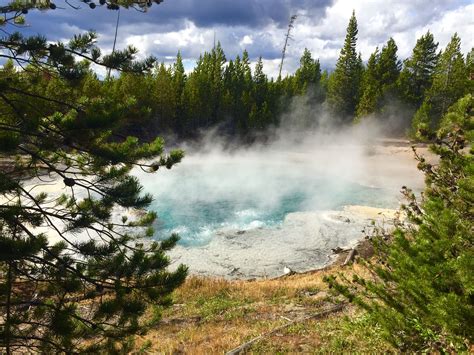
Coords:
239,214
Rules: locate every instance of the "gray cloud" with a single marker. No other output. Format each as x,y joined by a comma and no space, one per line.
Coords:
172,14
260,25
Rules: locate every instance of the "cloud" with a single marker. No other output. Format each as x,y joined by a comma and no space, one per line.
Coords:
246,41
260,26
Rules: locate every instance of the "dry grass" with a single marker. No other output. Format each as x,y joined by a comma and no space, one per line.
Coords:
215,315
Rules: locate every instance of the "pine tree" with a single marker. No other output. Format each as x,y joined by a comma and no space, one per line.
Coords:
417,74
259,115
260,83
140,91
164,91
324,85
418,289
246,70
388,67
380,79
197,94
308,74
218,60
344,84
73,276
370,87
421,123
450,82
179,82
470,70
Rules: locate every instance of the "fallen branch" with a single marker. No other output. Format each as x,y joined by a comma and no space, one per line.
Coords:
350,257
245,346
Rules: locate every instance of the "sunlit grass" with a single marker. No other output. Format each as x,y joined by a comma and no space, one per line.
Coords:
215,315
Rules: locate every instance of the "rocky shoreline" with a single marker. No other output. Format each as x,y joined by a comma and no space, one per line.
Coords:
305,241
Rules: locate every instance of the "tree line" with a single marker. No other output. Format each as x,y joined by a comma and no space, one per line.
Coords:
242,101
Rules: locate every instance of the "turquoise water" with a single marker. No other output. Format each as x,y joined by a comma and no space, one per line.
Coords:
199,200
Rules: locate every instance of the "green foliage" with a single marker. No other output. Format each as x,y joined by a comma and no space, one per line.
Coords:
421,289
344,83
371,87
388,64
417,74
421,124
223,93
73,277
379,81
450,83
459,115
309,72
449,78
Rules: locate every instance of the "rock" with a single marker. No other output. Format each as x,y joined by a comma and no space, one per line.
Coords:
234,271
288,271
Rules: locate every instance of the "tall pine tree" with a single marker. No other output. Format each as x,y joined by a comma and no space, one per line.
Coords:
370,87
417,74
344,84
308,74
380,79
179,82
388,67
450,82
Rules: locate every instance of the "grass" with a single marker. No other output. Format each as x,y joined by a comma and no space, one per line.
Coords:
212,316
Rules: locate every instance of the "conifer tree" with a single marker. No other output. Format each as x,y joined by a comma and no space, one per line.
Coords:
421,122
74,276
260,83
164,91
470,71
450,82
179,82
324,85
417,74
419,288
197,94
388,67
246,69
371,87
218,60
380,79
344,85
140,90
309,72
259,116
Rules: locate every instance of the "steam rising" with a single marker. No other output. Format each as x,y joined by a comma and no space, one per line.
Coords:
218,188
249,211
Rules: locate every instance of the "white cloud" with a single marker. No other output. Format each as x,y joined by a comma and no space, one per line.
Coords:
246,40
378,20
191,39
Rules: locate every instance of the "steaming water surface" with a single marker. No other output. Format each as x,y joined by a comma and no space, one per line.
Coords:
207,195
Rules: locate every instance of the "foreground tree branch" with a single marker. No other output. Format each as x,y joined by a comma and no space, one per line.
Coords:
74,277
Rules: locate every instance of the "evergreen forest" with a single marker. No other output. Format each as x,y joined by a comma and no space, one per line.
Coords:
240,101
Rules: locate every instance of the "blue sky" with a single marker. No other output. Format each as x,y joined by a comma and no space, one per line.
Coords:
259,26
